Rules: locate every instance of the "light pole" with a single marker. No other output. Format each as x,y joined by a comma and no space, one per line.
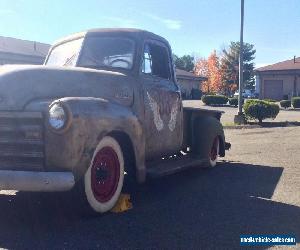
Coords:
239,118
241,82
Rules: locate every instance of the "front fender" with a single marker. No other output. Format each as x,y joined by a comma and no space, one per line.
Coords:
92,119
205,129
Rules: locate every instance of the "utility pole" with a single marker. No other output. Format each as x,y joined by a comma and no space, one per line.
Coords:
239,118
241,80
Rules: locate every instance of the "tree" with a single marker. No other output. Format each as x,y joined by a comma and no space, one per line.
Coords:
230,65
201,69
214,69
211,69
185,62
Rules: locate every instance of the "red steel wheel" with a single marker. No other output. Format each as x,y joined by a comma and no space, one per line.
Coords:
105,174
104,178
214,152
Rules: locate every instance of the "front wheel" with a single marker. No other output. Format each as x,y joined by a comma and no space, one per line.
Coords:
214,152
104,178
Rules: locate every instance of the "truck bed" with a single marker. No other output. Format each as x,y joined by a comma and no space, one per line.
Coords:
192,112
188,108
188,105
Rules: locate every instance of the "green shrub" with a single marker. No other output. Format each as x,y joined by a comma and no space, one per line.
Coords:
296,102
270,100
214,99
233,101
285,104
260,110
196,94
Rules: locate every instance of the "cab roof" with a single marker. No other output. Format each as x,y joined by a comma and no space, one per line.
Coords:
136,34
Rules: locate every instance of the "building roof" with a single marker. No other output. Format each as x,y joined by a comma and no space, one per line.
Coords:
293,64
23,47
182,74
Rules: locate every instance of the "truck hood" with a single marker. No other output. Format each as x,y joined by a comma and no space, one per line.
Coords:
21,85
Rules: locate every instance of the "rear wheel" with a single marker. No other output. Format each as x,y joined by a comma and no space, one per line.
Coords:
214,152
103,180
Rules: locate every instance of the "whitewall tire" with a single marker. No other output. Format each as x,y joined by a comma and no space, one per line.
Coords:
214,152
104,178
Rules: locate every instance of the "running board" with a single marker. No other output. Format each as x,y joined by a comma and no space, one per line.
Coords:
165,167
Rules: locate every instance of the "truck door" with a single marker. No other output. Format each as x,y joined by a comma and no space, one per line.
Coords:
162,101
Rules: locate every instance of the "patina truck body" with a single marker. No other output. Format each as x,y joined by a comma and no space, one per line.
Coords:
104,105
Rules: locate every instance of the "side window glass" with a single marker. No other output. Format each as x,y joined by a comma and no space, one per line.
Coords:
147,61
156,61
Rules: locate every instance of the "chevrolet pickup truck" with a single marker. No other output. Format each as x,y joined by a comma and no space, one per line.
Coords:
103,110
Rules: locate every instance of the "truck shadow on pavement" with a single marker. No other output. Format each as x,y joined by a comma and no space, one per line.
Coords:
195,209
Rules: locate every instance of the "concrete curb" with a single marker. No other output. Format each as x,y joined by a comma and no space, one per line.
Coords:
264,125
242,127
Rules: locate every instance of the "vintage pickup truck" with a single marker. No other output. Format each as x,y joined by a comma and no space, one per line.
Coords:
103,110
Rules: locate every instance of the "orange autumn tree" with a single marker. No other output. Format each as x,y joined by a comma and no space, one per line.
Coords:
201,69
215,73
211,69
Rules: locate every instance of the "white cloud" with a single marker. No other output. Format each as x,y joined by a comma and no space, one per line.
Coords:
172,24
169,23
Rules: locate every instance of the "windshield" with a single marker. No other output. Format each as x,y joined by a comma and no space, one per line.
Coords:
65,54
112,52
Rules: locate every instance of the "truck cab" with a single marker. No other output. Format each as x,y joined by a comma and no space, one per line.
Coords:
104,110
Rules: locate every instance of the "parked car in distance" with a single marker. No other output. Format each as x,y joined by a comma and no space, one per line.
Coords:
247,93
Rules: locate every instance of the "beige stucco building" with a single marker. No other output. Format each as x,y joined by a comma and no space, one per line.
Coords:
279,80
188,81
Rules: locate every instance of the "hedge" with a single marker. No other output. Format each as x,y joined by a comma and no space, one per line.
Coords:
233,101
296,102
260,110
214,99
285,104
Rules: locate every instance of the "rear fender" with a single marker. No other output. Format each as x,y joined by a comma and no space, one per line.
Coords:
205,129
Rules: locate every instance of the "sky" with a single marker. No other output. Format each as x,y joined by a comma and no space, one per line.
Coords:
194,27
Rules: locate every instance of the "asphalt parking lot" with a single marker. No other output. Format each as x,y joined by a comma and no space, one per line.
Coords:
254,190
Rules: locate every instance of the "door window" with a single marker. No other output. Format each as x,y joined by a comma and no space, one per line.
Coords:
156,61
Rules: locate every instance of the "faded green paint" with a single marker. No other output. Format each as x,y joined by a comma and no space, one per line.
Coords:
101,102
